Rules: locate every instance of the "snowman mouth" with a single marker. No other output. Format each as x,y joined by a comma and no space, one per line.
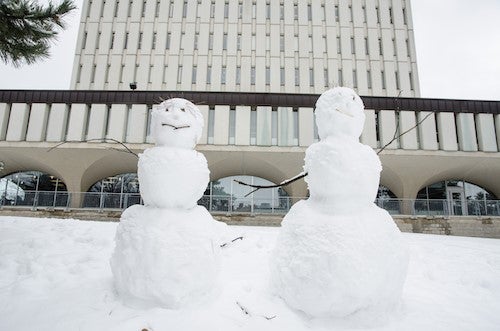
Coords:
343,112
176,127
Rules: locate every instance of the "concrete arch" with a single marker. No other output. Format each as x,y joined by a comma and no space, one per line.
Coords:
391,179
18,161
106,166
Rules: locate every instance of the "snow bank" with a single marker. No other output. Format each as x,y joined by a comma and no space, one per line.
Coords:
55,276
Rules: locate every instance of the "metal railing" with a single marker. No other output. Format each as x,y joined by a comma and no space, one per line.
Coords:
102,201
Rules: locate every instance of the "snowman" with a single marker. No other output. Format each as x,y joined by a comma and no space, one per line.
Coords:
166,250
337,253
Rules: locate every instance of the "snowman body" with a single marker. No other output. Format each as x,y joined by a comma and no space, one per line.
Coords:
338,253
163,246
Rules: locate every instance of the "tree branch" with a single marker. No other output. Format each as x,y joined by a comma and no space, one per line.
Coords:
104,140
283,183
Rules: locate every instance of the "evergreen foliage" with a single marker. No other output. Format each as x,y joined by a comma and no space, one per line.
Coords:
27,28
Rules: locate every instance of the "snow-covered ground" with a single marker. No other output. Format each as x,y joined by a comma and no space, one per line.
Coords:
55,275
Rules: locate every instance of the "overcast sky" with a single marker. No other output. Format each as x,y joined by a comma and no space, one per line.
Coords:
457,41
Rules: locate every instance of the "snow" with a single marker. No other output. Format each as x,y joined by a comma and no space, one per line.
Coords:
172,177
9,190
338,254
55,275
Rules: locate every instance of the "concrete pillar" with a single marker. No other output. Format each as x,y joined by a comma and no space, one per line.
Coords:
485,127
447,132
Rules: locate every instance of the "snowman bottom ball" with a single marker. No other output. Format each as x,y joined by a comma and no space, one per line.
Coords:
172,177
336,265
165,258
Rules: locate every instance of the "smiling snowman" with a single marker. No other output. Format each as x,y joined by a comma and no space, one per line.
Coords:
166,251
338,254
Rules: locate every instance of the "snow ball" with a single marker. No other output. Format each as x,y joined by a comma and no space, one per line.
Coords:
176,122
172,177
336,265
339,112
166,258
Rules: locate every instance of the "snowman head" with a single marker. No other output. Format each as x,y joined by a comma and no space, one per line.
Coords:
339,113
176,123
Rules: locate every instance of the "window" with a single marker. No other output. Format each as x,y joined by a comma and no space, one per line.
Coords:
150,74
139,43
238,75
325,44
390,16
143,14
353,48
364,14
240,11
89,8
253,127
157,9
92,76
350,14
369,78
125,44
295,11
268,11
211,125
282,76
254,10
408,51
112,43
268,75
232,125
193,75
354,79
411,81
79,73
367,46
117,4
309,12
223,75
195,46
325,76
252,75
210,41
311,77
212,9
282,11
224,41
394,46
154,41
404,16
226,10
102,8
98,40
84,40
282,43
167,44
297,77
336,13
381,50
341,78
338,45
397,80
171,9
129,10
383,79
238,42
209,75
378,14
179,75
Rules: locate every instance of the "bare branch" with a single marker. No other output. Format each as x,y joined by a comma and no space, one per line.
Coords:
405,132
232,241
283,183
103,140
246,312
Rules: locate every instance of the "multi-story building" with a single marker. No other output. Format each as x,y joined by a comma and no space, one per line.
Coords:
256,68
248,46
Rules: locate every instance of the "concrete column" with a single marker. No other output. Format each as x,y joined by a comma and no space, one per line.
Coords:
387,128
369,135
204,135
407,121
56,126
117,125
97,121
264,126
306,126
37,124
446,131
466,131
242,135
77,122
427,131
4,119
137,124
18,122
221,125
486,137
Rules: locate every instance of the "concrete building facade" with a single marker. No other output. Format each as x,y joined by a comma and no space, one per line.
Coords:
247,45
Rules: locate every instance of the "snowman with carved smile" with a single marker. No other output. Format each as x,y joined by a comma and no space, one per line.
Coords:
164,246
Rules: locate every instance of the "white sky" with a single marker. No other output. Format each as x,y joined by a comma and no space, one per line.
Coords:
457,41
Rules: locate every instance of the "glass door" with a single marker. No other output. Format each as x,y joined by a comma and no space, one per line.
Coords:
456,200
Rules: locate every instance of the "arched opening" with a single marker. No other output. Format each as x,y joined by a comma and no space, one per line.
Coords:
225,195
387,200
33,188
114,192
455,197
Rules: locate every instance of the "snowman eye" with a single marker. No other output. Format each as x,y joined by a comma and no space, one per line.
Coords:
182,109
353,98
